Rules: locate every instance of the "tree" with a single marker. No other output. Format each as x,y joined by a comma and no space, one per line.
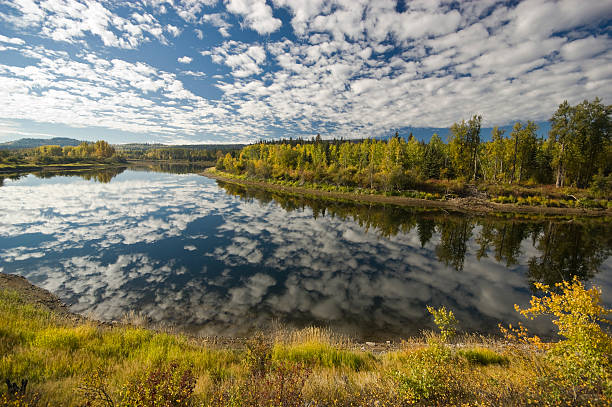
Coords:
525,143
464,141
434,158
580,141
561,134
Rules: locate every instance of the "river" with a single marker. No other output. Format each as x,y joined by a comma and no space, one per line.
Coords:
210,258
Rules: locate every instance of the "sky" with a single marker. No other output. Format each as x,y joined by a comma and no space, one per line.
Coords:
237,71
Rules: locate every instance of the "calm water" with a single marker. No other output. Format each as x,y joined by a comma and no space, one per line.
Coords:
211,258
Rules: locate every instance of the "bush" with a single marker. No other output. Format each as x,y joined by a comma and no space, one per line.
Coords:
580,361
424,378
169,385
445,321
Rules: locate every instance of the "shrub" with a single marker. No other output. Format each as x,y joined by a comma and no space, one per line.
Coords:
423,378
281,385
445,321
258,355
169,385
580,361
17,395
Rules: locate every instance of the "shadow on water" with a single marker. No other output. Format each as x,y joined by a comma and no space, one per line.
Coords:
567,248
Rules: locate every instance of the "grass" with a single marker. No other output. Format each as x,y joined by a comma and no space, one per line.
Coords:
483,357
69,362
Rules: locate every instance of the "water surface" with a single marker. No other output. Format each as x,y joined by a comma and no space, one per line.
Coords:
217,259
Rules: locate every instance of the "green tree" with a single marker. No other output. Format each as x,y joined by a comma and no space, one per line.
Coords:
464,141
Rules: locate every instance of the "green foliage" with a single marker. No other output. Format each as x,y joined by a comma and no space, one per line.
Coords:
483,356
578,147
100,151
580,141
445,321
463,144
321,354
422,378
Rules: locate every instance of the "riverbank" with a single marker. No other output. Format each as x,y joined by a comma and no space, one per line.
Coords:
52,357
472,205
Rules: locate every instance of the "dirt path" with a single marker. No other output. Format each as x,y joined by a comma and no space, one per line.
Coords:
471,205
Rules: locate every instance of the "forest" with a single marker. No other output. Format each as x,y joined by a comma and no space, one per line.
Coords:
205,154
577,153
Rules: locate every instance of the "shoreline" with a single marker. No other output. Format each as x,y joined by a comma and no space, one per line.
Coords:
475,206
37,296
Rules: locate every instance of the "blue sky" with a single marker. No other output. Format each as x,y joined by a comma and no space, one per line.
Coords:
235,71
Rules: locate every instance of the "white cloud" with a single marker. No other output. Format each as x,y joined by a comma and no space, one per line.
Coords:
358,67
585,48
71,20
175,31
218,20
14,41
185,60
257,14
190,9
244,59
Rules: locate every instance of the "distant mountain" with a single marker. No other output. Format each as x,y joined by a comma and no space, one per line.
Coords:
37,142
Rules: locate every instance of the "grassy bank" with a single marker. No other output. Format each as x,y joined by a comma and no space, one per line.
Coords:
482,203
71,361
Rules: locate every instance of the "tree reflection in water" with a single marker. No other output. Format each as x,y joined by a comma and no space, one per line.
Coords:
566,248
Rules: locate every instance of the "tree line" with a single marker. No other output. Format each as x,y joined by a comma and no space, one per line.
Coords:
201,154
100,150
577,152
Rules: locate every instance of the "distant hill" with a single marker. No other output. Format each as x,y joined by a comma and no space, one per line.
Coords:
37,142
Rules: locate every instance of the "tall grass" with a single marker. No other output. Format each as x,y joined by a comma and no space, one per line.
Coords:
68,363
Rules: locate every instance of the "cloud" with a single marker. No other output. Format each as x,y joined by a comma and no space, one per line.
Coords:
244,60
585,48
185,60
257,15
341,68
188,10
14,41
71,20
175,31
218,20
